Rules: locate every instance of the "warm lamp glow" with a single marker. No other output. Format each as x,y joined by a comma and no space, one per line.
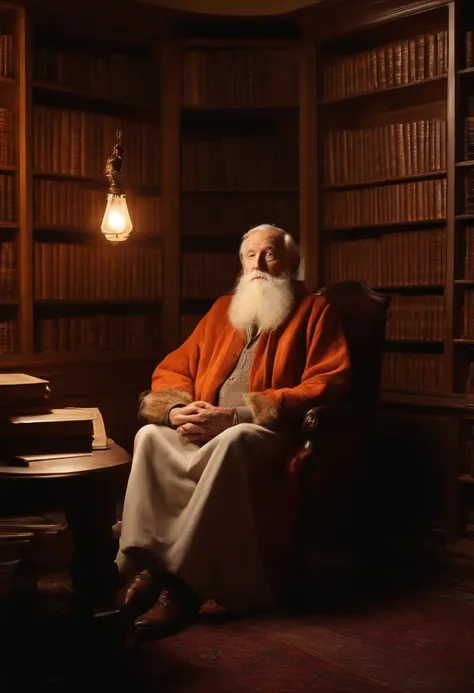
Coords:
116,224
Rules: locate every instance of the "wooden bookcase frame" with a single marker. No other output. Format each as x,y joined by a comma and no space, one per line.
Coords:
189,305
25,303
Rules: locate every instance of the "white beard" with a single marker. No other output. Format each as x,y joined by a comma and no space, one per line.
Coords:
264,303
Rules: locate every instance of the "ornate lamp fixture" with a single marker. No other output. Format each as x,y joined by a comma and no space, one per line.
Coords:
116,224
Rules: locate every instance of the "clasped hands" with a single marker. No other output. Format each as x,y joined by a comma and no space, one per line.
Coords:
201,421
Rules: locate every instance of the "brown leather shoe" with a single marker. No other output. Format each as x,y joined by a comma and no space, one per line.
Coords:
141,594
176,609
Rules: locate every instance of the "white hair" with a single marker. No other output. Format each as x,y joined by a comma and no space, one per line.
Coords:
288,241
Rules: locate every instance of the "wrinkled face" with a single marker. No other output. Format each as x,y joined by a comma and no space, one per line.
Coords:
264,251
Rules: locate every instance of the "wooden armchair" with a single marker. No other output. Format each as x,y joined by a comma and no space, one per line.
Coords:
363,314
334,437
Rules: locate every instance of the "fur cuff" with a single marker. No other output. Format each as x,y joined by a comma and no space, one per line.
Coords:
155,406
263,408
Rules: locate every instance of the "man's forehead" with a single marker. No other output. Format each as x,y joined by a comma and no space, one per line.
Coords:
263,238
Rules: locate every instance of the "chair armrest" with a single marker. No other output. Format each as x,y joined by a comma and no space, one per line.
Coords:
309,427
312,419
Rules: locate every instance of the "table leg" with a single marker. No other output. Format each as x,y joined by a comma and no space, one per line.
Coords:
90,517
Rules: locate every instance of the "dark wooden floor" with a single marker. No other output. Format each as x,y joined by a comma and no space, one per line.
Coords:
399,634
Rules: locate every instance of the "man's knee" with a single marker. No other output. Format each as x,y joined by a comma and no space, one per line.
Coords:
144,433
244,435
148,437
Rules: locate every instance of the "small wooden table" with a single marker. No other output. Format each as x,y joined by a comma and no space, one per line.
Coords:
87,490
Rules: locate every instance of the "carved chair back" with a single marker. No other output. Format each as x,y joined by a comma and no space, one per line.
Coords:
363,314
334,441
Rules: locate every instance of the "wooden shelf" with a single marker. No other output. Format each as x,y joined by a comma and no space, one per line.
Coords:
247,110
99,181
67,229
466,479
6,168
423,400
9,80
467,342
46,303
420,398
466,71
5,302
57,234
464,282
428,342
9,224
465,217
227,42
465,164
82,93
385,181
240,191
394,224
410,287
388,90
53,358
207,234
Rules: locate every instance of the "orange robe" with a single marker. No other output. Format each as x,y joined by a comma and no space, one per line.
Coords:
303,363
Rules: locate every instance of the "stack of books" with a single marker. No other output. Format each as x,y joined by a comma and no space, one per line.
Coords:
30,430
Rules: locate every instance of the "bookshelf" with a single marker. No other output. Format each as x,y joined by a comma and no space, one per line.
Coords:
385,187
394,171
73,308
63,288
89,294
463,235
239,158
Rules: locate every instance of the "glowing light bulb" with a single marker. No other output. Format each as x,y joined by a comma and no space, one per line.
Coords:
116,224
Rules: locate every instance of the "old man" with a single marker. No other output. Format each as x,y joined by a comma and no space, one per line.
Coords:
210,505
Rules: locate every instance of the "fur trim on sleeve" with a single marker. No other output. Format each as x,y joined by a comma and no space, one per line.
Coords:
154,407
263,408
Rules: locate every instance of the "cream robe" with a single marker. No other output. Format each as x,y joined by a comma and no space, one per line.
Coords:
191,508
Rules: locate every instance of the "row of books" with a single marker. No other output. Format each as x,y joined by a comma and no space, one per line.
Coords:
469,44
208,275
413,372
8,337
70,271
231,214
469,134
467,316
389,204
240,77
416,317
387,151
407,258
7,197
7,138
99,74
77,143
7,63
252,162
98,332
469,192
469,252
80,206
7,270
402,62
